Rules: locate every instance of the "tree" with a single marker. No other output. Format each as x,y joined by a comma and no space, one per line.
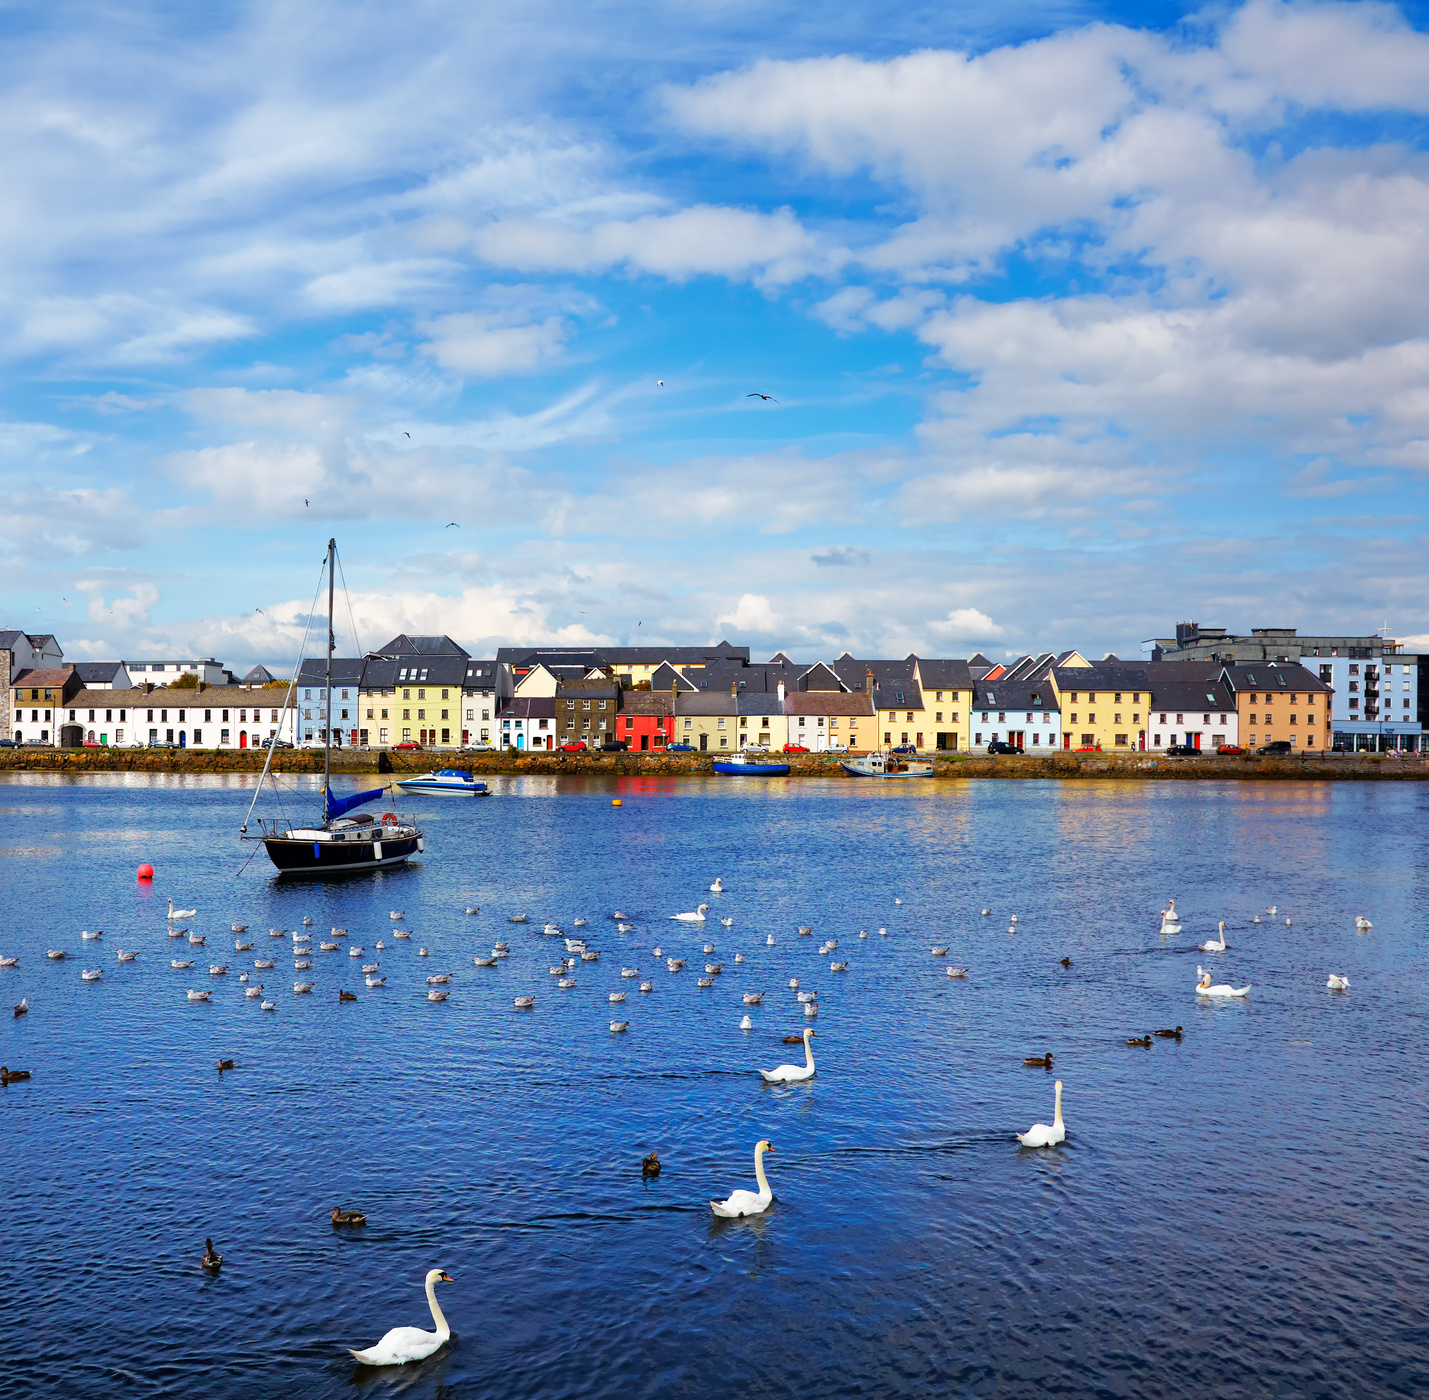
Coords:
187,681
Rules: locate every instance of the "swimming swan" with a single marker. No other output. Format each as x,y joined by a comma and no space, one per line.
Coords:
1040,1135
1204,988
1362,923
1338,984
404,1344
792,1074
698,917
180,913
748,1202
718,886
1211,945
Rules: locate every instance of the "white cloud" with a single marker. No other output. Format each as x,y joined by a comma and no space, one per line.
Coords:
468,343
967,625
752,613
705,239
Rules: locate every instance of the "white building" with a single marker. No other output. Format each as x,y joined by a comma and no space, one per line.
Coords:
1376,704
213,717
205,669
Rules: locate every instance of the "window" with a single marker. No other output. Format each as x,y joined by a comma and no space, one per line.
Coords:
384,714
470,714
406,695
1205,719
1091,717
198,736
585,704
422,694
689,724
1116,718
446,715
222,735
721,724
1180,719
601,705
406,714
444,695
939,695
984,716
1121,741
1116,699
1074,717
421,714
1223,719
344,695
369,712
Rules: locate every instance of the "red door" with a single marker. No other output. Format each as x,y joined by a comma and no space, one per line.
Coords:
243,739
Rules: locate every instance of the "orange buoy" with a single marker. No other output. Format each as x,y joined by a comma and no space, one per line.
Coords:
615,802
146,872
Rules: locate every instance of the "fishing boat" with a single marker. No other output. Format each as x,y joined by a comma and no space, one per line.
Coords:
343,839
452,782
879,765
737,765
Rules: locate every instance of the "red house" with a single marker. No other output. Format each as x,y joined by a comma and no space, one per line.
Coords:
646,720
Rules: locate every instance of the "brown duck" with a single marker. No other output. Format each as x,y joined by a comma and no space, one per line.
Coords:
1039,1061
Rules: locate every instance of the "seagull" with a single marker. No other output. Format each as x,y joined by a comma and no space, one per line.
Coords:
659,383
405,433
451,525
768,398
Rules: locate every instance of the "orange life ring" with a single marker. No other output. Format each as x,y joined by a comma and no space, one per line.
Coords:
389,819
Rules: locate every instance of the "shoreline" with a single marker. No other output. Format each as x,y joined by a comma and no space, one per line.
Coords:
1069,766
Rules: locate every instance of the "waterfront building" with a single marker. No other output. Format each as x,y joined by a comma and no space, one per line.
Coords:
947,688
1280,701
646,721
103,675
37,694
528,722
22,651
832,719
1103,706
201,717
1370,675
1020,710
763,721
586,710
481,696
1186,709
897,699
311,692
706,719
633,665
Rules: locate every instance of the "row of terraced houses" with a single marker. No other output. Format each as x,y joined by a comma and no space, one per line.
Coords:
1205,688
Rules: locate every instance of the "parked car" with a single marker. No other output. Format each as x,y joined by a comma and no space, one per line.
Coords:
481,746
576,746
1230,750
160,744
679,748
997,746
276,744
1088,748
1279,746
407,747
614,746
836,748
795,748
8,744
755,748
1183,750
904,748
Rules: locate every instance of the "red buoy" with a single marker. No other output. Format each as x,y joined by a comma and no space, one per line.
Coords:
146,872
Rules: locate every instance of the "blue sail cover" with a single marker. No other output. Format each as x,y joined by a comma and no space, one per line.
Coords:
337,806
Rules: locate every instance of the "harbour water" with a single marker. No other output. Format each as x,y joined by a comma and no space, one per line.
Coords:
1238,1214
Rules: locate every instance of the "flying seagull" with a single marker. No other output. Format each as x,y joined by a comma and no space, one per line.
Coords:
659,383
768,398
406,434
450,524
305,500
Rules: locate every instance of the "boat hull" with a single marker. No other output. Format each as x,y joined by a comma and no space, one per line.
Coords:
338,857
752,770
446,789
854,771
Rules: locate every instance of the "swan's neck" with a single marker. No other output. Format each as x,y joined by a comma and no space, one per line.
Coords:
438,1316
808,1052
1057,1113
759,1172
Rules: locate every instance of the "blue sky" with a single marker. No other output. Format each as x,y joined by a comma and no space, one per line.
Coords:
1081,320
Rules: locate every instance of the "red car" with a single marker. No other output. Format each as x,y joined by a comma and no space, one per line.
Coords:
795,748
577,747
406,748
1229,750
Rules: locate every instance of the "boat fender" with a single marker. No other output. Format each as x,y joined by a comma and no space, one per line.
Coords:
389,819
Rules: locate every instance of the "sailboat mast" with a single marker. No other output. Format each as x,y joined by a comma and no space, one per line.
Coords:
327,730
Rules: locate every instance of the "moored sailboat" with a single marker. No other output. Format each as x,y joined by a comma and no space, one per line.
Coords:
344,839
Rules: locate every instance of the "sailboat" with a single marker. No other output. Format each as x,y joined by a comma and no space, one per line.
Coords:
344,839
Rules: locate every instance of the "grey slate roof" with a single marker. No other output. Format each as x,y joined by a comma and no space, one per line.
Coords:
100,672
410,670
1185,695
259,675
944,674
406,645
759,703
529,707
827,702
346,670
480,675
1273,676
705,703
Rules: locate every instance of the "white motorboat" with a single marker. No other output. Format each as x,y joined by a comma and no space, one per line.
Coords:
450,781
880,765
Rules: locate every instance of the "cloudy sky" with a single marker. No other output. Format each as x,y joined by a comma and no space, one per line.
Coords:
1078,319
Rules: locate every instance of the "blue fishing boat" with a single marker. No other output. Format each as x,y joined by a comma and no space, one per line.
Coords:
737,765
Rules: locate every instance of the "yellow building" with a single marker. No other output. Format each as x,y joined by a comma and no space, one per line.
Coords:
1103,707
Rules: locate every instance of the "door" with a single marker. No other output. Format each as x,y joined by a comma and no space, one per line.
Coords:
704,742
520,741
644,743
242,738
183,738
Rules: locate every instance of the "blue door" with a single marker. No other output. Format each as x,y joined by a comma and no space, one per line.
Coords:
520,741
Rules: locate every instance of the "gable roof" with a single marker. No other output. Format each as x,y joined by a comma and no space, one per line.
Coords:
528,707
100,672
480,674
666,677
1272,676
406,645
827,702
346,670
647,702
937,674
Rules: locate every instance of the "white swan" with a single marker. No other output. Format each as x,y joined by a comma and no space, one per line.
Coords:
698,917
1338,984
728,923
1204,988
180,913
1211,945
404,1344
1040,1135
792,1074
740,1203
718,886
1363,924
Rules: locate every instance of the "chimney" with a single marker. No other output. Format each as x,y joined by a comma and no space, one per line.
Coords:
148,687
202,686
781,695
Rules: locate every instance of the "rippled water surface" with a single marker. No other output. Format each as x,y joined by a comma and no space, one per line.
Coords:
1241,1213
